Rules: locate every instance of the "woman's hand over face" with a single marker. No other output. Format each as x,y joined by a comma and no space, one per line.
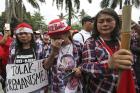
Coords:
56,45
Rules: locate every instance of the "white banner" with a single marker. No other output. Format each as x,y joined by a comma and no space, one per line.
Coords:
25,78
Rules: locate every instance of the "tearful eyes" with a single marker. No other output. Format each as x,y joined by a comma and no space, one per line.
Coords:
108,20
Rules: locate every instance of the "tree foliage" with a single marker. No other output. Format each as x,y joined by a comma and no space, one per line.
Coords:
16,9
113,3
35,20
69,6
76,27
83,14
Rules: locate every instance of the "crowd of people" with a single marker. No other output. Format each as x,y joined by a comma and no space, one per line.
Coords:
86,61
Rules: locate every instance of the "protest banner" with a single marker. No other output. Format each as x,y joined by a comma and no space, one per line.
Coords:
25,78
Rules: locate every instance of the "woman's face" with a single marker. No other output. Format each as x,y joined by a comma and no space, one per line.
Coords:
24,37
105,24
46,38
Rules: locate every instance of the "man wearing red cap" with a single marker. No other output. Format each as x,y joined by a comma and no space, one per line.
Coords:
64,58
25,49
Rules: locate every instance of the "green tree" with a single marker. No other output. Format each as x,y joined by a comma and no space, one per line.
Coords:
13,24
83,14
61,16
37,22
73,16
16,9
69,6
1,23
76,27
113,3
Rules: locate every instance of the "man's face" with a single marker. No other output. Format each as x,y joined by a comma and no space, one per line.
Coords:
24,37
89,25
37,35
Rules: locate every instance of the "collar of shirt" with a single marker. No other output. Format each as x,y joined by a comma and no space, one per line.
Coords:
86,32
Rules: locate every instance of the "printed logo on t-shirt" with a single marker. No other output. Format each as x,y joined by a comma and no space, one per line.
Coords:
67,62
25,58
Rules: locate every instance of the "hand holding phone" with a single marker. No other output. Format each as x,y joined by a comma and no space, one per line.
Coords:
68,75
7,27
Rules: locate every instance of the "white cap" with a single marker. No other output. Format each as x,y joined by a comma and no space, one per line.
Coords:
37,32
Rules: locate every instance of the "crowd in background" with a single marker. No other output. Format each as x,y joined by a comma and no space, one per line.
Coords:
92,57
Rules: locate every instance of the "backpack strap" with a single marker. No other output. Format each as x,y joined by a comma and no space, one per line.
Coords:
82,37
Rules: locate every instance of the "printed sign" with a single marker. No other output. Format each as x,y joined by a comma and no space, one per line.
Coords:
25,78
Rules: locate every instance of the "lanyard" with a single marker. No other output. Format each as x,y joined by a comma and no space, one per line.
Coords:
106,46
110,52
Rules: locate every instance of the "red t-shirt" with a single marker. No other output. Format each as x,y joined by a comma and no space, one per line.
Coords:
1,52
6,49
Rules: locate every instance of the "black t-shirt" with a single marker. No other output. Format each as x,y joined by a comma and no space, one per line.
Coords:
25,56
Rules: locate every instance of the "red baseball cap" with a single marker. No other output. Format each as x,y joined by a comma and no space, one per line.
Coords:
57,26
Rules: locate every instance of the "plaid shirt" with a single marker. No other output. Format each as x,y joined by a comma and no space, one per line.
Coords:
47,49
95,58
134,44
56,83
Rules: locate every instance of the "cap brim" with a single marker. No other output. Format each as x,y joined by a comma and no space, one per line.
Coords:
59,32
37,32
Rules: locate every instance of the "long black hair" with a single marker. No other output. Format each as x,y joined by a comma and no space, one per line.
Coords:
116,32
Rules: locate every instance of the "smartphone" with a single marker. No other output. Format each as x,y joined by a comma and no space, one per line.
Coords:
7,26
70,74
